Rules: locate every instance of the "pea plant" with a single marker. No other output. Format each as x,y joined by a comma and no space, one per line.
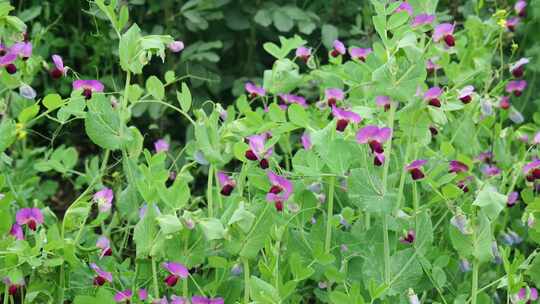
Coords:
397,171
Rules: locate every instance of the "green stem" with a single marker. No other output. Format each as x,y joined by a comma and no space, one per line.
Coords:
154,276
329,214
474,288
246,280
209,195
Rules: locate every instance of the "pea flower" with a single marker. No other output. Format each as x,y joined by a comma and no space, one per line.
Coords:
17,232
384,102
104,244
280,191
59,70
464,265
306,141
415,169
257,150
378,159
532,170
408,237
226,182
374,136
512,199
360,53
32,217
516,87
333,95
161,145
491,170
422,19
405,7
516,117
178,300
512,23
101,276
344,118
204,300
176,271
88,87
504,103
511,238
303,53
27,92
520,8
22,49
413,298
457,167
432,96
464,184
104,198
528,294
465,94
176,46
339,48
291,98
432,66
461,222
254,90
536,140
143,294
444,31
13,287
6,61
433,130
123,296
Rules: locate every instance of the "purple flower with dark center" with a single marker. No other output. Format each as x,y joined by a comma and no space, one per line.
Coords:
408,237
532,170
464,265
22,49
461,222
104,244
59,70
444,31
13,287
464,184
415,169
205,300
432,96
465,94
344,117
257,150
17,232
422,19
303,53
339,48
433,130
405,6
360,53
512,199
142,294
517,68
432,66
7,60
123,296
504,103
491,170
378,159
528,294
333,95
254,90
520,8
384,102
176,271
516,87
457,167
176,46
226,182
88,87
485,157
32,217
104,198
101,276
306,141
280,191
161,145
512,23
374,136
291,98
178,300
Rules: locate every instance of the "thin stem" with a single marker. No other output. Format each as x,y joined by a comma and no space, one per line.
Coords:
154,276
170,106
474,288
209,195
329,214
246,280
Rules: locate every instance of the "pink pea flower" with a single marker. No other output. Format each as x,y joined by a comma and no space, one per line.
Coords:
280,190
408,238
485,157
104,198
32,217
464,184
344,118
465,94
204,300
422,19
59,70
254,90
101,276
491,170
88,87
520,8
536,139
432,66
17,232
176,46
528,294
161,145
405,6
512,199
457,167
415,169
123,296
360,53
226,182
444,31
104,244
333,95
257,150
13,287
516,87
303,53
178,300
176,271
384,102
142,294
532,170
432,96
504,103
306,141
22,49
512,23
338,48
291,98
517,68
374,136
7,60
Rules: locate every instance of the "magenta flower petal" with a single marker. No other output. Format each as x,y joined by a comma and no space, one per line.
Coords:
104,198
465,94
177,300
290,98
92,85
8,58
161,145
58,62
431,93
457,167
142,294
17,231
415,169
512,199
107,276
517,68
360,53
303,52
516,87
226,182
405,6
339,48
176,269
254,90
204,300
306,141
366,133
333,95
123,296
384,102
29,216
105,245
520,7
422,19
491,170
176,46
442,30
346,115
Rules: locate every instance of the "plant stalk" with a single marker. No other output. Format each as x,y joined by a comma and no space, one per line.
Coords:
329,214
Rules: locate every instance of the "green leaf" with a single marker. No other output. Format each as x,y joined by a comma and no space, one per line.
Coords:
273,50
243,218
102,124
8,134
282,21
490,201
130,49
329,34
145,231
365,191
212,229
28,113
169,223
482,240
184,98
263,17
397,19
155,87
298,115
52,101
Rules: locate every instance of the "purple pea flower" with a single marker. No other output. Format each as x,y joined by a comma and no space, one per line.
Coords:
532,170
432,96
384,102
280,190
104,198
22,49
254,90
512,23
178,300
339,48
413,298
161,145
142,294
13,287
360,53
528,294
374,136
405,6
457,167
485,157
461,222
32,217
491,170
432,66
204,300
306,141
408,237
512,199
422,19
333,95
123,296
536,139
291,98
59,70
104,244
517,68
464,265
226,182
17,232
176,271
464,184
465,94
101,276
520,8
516,87
176,46
344,118
415,168
7,60
88,87
303,53
444,31
504,103
257,150
378,159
